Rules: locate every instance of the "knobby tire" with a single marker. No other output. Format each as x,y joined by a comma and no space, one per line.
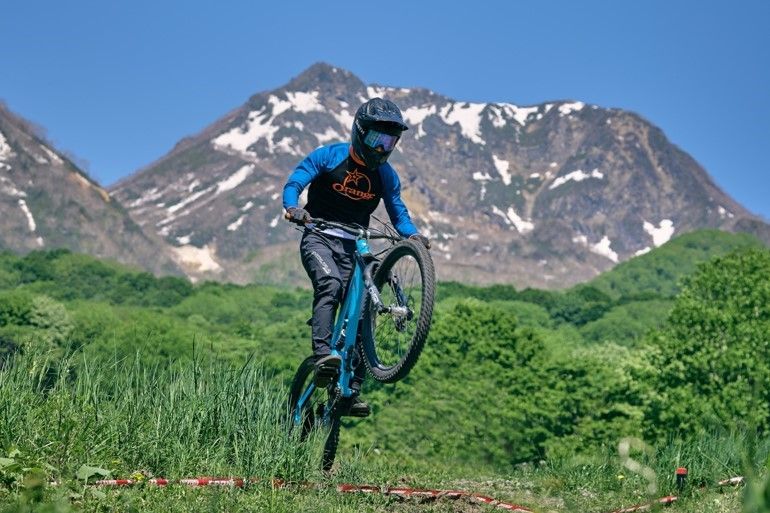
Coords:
390,373
303,377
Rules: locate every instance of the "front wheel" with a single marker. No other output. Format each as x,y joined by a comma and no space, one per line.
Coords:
309,409
392,341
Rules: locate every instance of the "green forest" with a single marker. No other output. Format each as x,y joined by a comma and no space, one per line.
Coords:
107,367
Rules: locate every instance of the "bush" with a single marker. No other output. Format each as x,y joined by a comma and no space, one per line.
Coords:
15,308
713,358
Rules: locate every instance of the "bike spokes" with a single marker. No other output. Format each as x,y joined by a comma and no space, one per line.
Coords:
394,335
402,294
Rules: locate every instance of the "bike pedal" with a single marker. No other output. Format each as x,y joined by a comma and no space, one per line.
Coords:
326,371
323,378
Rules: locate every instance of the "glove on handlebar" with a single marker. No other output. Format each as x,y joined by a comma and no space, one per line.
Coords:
297,215
422,239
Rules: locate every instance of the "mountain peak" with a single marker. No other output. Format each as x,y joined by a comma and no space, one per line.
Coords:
543,195
322,75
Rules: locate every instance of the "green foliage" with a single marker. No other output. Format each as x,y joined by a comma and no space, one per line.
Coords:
117,416
482,377
490,293
580,305
15,308
712,363
66,276
506,377
627,323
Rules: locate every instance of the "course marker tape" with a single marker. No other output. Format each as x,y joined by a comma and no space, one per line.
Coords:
403,492
237,482
670,499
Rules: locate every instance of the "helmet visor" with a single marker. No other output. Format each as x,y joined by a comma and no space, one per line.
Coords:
375,139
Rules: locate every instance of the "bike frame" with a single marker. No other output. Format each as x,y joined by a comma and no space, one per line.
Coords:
343,341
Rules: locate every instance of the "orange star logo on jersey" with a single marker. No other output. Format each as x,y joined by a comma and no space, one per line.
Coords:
355,186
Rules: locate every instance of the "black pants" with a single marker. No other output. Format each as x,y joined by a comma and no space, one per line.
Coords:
329,262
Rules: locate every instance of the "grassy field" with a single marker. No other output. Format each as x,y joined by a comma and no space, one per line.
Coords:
533,397
73,424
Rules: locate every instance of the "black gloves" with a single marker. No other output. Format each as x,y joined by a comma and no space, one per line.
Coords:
425,241
297,215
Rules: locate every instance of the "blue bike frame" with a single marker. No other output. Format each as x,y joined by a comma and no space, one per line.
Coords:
343,341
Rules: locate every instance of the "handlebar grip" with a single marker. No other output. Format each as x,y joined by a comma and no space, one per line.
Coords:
287,216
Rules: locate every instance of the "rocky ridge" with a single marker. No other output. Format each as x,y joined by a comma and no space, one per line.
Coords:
47,202
545,195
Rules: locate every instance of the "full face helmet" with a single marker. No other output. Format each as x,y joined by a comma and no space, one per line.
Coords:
377,127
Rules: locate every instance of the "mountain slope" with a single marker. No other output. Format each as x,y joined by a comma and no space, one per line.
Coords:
47,202
547,195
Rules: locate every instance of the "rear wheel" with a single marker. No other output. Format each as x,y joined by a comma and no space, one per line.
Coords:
391,342
311,413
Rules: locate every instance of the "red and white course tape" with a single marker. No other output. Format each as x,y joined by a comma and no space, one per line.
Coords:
237,482
422,493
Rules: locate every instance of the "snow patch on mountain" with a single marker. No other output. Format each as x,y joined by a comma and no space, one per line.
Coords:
257,126
502,168
496,116
286,144
329,135
235,179
723,212
9,188
229,183
150,195
520,224
344,118
479,176
577,176
376,92
199,259
499,113
565,109
511,218
660,234
260,125
236,224
603,247
468,116
520,114
5,148
30,219
184,203
416,115
298,101
642,251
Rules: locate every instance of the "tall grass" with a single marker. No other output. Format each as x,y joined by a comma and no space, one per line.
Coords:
194,418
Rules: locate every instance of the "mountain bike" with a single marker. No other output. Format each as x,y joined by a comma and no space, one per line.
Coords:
385,313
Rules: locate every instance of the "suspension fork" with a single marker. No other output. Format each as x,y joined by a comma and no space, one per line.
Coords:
400,309
371,289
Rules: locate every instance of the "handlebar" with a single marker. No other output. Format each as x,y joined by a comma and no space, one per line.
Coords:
357,231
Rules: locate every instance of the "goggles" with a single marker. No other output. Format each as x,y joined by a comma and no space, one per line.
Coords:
375,139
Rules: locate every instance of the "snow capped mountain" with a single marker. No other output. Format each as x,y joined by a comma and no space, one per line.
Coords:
47,202
544,195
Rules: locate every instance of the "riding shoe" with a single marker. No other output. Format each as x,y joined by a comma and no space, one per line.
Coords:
326,369
358,408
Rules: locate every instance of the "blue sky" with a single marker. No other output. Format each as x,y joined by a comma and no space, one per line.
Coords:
118,83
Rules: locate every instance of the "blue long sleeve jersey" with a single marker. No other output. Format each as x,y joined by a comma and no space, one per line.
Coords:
345,191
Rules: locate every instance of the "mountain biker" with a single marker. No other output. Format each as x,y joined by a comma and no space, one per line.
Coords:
347,182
